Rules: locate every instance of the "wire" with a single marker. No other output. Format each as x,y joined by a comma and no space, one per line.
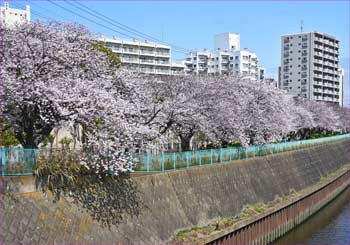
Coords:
122,26
47,10
92,21
109,20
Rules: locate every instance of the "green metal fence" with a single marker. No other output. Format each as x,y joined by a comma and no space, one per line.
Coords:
152,163
19,161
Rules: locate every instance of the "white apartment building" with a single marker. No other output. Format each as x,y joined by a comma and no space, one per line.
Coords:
342,87
310,66
227,58
143,56
11,16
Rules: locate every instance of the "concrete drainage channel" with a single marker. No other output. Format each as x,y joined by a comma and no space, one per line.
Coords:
267,227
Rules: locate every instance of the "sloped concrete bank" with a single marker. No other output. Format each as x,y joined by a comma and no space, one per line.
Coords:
175,200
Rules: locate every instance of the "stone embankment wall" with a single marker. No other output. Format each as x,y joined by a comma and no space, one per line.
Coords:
173,201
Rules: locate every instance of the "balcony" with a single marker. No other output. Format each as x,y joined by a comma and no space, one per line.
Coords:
147,52
318,68
319,53
129,60
224,61
164,54
328,70
150,62
319,83
164,63
130,51
318,90
327,84
319,61
146,70
318,76
162,72
327,56
326,91
116,49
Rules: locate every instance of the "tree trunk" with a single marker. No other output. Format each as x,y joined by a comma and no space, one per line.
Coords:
185,143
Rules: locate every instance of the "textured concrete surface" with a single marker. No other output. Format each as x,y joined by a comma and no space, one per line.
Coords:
174,200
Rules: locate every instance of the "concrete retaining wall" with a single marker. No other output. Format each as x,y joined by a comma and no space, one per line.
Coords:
174,200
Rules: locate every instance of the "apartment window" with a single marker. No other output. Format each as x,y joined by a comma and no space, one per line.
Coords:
231,58
236,57
217,58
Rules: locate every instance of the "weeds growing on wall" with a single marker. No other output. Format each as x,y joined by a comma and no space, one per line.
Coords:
107,198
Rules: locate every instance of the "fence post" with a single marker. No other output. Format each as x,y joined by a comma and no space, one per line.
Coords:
239,153
220,155
163,160
230,153
187,160
3,161
211,156
147,161
200,158
174,159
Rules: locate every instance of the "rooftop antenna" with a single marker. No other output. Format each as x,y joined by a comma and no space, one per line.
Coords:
301,26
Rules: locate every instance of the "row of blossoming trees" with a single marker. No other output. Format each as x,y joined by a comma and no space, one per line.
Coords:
53,75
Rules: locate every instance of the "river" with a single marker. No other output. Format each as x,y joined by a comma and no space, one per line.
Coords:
331,225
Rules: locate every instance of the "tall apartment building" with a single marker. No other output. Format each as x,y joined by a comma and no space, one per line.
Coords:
310,66
11,16
226,58
144,57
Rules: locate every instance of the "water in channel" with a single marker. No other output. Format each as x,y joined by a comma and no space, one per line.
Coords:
331,225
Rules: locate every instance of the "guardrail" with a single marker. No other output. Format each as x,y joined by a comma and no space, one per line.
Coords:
21,161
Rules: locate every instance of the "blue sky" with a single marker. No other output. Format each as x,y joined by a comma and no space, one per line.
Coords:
191,25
